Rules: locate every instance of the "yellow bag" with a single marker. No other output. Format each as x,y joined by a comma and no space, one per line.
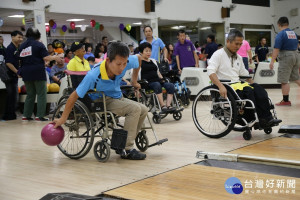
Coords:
240,86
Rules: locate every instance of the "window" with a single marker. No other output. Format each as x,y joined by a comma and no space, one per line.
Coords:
265,3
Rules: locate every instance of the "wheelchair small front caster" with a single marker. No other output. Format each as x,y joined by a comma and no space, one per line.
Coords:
141,141
156,119
268,130
247,135
101,151
177,116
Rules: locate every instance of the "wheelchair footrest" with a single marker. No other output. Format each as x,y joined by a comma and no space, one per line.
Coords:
158,142
240,128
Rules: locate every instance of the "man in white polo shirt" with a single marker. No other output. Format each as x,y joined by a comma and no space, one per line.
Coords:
226,64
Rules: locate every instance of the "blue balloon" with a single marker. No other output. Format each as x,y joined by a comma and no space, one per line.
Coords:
1,21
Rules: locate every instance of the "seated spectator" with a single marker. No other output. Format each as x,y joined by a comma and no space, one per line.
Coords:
88,49
131,49
78,63
60,66
91,61
150,72
68,55
99,53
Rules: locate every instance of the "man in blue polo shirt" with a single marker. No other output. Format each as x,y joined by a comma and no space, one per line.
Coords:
211,46
111,72
185,52
285,48
157,44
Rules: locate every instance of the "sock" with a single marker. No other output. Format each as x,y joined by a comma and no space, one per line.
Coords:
286,98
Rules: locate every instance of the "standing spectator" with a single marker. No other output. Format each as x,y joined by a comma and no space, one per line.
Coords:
33,55
211,46
85,40
68,56
2,47
185,52
60,66
136,50
50,49
99,53
105,43
245,52
220,46
261,50
285,48
156,43
131,49
171,57
88,51
78,63
12,62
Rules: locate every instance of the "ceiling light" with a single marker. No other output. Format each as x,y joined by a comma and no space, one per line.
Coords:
137,23
177,27
81,25
205,28
74,20
46,24
17,16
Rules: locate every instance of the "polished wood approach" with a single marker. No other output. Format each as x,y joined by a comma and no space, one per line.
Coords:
200,182
277,148
29,169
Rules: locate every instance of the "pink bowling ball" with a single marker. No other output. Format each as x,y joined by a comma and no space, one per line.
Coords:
52,136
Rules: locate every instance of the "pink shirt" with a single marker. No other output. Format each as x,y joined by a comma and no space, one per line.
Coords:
244,48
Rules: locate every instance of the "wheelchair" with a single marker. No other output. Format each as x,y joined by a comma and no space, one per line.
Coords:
150,100
89,120
215,116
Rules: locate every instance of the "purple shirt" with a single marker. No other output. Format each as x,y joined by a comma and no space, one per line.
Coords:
186,53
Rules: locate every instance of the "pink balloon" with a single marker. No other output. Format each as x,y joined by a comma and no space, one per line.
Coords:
47,28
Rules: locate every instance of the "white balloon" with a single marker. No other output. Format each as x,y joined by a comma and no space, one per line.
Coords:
83,28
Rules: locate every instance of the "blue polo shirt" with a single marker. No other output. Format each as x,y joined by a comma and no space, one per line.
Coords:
157,44
110,87
210,49
286,40
32,67
12,57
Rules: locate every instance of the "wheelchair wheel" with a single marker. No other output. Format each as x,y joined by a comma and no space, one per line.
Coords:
141,141
177,116
101,151
213,115
247,135
156,119
268,130
79,132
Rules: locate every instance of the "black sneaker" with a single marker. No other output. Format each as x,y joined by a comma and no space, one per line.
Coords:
41,119
133,155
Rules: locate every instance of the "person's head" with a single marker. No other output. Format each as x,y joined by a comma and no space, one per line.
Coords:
78,49
130,46
50,48
104,41
145,50
33,33
283,22
181,36
170,47
88,48
61,62
220,46
210,38
187,37
117,56
85,40
1,40
91,60
148,31
197,44
263,41
69,53
100,47
17,37
234,40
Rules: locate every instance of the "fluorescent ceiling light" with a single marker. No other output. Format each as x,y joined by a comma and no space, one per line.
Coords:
46,24
177,27
81,25
17,16
74,20
205,28
138,23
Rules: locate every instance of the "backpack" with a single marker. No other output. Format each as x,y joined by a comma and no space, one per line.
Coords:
3,70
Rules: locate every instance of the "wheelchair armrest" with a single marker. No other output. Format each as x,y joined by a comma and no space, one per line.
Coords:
143,81
245,77
224,80
125,87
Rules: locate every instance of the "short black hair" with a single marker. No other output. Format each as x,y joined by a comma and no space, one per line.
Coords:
212,37
33,33
15,33
87,45
260,39
180,31
67,52
117,48
233,34
283,21
147,27
143,46
220,45
50,44
104,37
91,58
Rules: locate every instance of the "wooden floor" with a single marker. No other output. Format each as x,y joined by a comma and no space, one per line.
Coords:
29,169
201,182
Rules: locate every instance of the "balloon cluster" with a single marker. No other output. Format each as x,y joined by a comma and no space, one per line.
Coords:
122,27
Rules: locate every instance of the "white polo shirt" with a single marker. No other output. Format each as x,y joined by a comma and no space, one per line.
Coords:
226,67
